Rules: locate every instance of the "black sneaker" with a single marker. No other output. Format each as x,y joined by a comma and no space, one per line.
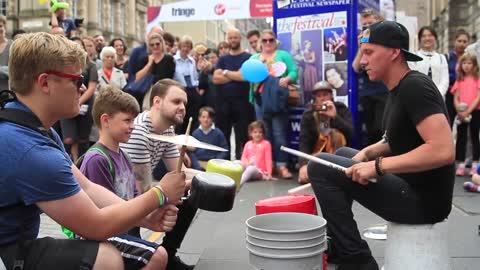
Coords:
176,263
371,265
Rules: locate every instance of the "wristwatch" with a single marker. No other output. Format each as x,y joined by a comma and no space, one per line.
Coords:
224,72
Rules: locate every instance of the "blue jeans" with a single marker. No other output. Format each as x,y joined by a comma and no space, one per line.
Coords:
277,126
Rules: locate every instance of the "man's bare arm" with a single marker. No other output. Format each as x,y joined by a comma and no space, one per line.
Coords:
235,76
219,78
143,175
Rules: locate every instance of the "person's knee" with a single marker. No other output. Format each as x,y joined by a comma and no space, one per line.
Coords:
347,152
159,259
108,257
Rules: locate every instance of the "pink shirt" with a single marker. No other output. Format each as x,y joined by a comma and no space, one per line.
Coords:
258,154
468,88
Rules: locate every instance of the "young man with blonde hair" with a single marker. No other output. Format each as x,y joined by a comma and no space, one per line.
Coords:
38,176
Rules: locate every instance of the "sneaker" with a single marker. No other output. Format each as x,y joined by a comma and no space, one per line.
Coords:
460,171
474,168
176,263
371,265
469,186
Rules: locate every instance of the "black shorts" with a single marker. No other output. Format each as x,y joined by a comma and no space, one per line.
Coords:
50,253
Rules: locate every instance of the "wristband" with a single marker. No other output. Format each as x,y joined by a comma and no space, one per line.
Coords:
378,166
161,197
163,192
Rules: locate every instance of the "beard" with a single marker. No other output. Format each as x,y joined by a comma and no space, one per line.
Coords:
235,46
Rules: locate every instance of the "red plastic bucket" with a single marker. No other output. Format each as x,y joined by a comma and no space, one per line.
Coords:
300,203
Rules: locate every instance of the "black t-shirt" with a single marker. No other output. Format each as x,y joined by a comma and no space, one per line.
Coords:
234,88
163,69
415,98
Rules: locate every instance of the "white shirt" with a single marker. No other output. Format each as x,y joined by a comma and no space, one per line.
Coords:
439,66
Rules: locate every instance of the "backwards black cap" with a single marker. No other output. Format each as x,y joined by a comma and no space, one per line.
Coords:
390,34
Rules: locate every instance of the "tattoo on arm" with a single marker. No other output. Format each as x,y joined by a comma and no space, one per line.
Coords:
143,174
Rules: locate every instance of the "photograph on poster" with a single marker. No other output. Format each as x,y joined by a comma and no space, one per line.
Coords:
336,75
304,37
335,44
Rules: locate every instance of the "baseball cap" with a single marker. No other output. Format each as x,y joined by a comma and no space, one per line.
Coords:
392,35
322,85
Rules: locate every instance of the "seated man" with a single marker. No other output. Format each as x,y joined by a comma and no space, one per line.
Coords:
325,126
413,163
38,175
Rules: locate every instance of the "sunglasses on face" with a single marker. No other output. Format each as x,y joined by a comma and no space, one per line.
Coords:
268,40
154,44
77,79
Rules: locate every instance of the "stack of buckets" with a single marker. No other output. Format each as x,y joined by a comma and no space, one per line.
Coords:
281,238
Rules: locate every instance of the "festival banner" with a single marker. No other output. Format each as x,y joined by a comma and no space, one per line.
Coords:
195,10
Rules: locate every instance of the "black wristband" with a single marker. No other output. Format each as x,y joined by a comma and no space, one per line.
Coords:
378,166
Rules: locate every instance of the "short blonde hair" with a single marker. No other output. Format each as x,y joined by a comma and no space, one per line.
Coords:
156,36
112,100
35,53
187,40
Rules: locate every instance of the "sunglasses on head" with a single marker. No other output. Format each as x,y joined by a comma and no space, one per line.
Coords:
269,40
77,79
155,44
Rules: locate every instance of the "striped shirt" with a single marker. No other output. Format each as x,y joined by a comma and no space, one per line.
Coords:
142,149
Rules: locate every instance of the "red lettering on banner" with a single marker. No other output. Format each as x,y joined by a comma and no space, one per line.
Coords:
261,8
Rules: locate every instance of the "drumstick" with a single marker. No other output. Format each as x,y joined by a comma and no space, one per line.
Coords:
184,147
299,189
318,160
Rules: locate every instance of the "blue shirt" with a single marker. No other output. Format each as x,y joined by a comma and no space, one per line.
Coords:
233,88
34,169
67,25
452,59
136,61
185,71
215,137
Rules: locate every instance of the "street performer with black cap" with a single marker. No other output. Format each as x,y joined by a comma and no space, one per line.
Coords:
413,163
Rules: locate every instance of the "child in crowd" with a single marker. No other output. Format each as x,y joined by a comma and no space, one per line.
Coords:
257,155
207,133
105,163
466,91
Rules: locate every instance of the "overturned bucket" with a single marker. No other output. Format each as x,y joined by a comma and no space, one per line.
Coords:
286,240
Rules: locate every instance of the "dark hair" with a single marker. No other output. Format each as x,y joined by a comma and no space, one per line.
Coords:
17,32
210,111
81,42
253,33
461,32
168,38
112,44
430,29
223,44
160,88
211,50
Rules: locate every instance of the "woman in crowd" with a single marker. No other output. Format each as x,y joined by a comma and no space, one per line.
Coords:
276,123
110,74
434,64
121,58
158,64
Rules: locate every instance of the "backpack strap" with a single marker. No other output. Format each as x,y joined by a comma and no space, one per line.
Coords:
98,147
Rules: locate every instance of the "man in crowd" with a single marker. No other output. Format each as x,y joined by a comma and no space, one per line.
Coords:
253,37
233,106
168,100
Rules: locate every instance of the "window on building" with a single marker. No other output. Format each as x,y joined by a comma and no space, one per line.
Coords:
123,20
112,17
74,9
99,13
3,7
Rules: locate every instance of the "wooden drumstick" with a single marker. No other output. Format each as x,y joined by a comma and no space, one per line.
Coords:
300,189
184,147
318,160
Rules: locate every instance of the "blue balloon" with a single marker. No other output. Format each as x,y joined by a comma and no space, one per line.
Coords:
254,71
